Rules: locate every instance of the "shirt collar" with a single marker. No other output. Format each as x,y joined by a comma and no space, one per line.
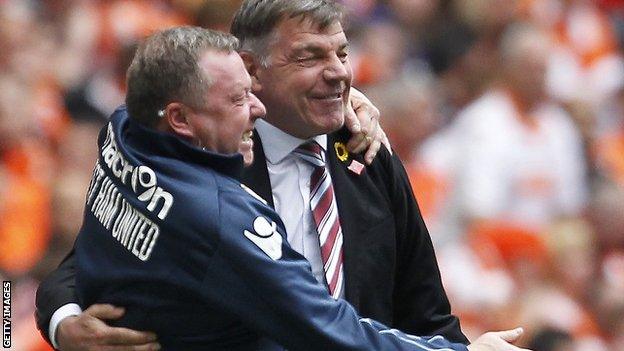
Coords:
281,143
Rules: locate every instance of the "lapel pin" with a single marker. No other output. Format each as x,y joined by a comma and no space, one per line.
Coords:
356,167
341,151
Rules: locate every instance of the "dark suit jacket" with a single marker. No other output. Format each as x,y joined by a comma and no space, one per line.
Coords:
391,273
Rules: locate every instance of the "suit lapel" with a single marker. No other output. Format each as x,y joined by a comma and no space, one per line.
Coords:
351,210
256,176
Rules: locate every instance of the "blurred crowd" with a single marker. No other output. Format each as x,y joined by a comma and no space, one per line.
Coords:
508,115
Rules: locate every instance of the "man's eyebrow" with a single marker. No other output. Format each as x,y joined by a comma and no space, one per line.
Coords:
238,88
316,47
310,47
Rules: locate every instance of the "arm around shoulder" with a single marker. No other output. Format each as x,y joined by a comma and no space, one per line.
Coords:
54,292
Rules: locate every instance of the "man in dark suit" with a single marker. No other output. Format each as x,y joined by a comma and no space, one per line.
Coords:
359,226
297,55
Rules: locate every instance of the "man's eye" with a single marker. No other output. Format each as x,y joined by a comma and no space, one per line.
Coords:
343,56
307,59
241,100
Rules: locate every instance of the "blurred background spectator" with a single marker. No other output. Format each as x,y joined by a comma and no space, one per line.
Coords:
509,115
549,339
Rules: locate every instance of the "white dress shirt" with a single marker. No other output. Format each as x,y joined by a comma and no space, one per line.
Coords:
290,185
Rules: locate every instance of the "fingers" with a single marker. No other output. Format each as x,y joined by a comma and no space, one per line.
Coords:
503,346
124,336
360,103
104,311
510,335
351,121
515,348
372,151
372,128
369,141
359,114
498,341
87,331
116,336
375,145
369,134
357,143
145,347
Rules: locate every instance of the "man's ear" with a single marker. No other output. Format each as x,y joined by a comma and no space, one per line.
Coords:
177,120
253,66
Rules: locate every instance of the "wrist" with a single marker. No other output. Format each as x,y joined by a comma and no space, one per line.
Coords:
61,331
68,310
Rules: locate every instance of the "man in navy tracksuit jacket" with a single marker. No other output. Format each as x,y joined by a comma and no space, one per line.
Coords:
170,233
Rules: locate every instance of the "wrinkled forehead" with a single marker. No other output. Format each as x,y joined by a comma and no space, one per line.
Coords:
224,68
301,33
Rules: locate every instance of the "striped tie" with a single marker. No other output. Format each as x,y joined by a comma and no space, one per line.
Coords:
325,213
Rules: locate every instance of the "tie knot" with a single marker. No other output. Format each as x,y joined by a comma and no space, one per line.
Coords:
311,152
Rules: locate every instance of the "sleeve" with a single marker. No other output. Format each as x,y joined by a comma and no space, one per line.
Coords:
271,289
54,292
420,302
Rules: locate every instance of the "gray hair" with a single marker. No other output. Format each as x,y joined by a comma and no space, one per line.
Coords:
165,69
255,21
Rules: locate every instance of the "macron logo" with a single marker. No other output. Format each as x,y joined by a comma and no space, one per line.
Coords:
266,237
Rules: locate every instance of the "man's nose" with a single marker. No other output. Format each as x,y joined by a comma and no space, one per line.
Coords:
336,70
257,109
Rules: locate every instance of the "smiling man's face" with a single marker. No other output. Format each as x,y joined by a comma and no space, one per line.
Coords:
305,87
225,122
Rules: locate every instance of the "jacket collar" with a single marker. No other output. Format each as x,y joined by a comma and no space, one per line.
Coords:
133,137
279,144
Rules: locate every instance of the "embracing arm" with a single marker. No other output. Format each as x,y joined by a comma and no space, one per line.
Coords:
63,324
271,289
55,292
